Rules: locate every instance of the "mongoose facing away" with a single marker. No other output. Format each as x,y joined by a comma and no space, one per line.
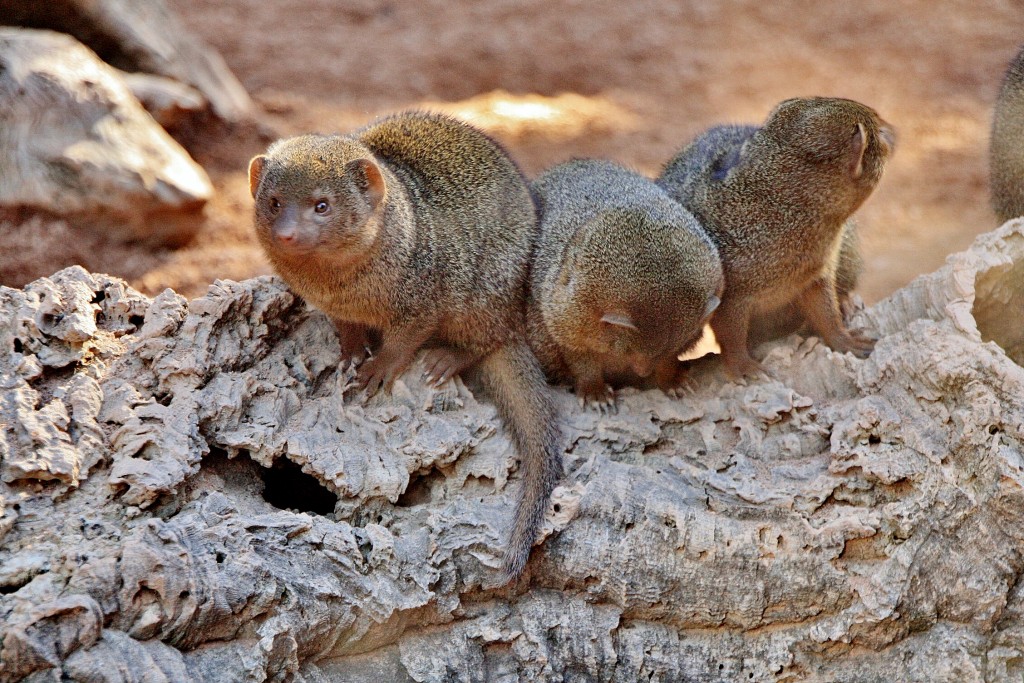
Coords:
419,228
623,280
775,199
1006,146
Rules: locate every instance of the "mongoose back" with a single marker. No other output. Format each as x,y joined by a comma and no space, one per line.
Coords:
1006,146
418,230
623,280
775,199
718,150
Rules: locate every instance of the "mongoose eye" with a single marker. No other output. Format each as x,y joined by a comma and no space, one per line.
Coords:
275,204
322,206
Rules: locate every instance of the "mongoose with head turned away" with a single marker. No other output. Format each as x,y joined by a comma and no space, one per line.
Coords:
418,229
623,280
775,199
1006,146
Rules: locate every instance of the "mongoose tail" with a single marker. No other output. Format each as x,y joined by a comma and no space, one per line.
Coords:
516,381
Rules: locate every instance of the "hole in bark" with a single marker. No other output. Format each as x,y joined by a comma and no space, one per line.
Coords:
999,308
18,584
18,346
287,487
137,321
99,297
220,557
993,429
874,439
420,489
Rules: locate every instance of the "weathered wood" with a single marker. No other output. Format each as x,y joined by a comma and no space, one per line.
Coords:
848,520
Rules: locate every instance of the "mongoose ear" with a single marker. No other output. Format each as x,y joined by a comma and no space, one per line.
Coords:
618,320
372,180
712,305
256,172
858,145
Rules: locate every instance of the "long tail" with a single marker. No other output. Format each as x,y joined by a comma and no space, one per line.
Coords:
514,377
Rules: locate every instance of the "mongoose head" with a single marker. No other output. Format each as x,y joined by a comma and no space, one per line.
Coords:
836,137
316,194
637,289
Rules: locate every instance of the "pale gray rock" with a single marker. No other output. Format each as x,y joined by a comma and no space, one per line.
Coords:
169,102
191,491
75,143
143,36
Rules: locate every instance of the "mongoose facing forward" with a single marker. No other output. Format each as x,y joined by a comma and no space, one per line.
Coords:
1006,146
419,229
775,199
623,280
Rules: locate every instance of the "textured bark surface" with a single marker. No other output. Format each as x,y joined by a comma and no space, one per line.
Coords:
75,143
187,495
140,35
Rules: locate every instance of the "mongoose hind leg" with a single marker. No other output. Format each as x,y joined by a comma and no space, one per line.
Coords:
398,348
354,340
445,362
821,309
731,325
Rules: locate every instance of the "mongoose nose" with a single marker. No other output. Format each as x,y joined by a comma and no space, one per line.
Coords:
285,231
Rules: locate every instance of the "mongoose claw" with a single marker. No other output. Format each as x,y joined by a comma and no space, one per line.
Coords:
743,369
372,375
442,364
858,344
602,400
351,361
681,391
353,344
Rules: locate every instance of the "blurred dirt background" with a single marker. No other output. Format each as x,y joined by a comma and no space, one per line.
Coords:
627,81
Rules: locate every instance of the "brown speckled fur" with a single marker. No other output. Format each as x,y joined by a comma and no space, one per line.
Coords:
613,242
440,260
775,200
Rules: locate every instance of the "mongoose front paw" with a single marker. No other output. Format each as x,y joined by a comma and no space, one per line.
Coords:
374,374
671,377
441,364
739,368
353,343
855,343
353,357
598,396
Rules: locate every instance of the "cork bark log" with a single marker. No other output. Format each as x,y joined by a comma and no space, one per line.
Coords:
187,495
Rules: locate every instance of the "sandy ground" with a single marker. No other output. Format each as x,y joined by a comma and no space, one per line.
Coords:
627,81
